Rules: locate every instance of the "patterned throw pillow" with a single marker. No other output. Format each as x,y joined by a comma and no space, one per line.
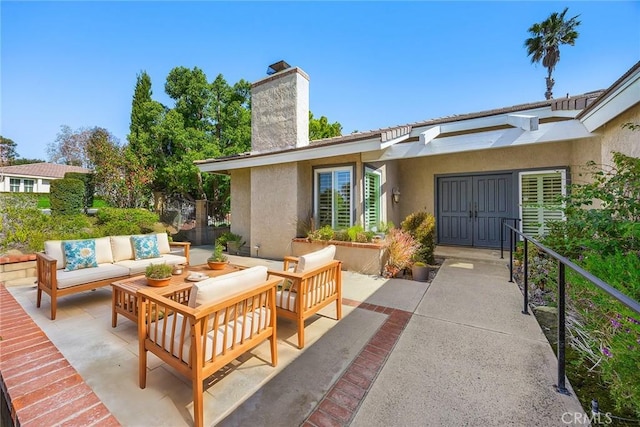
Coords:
79,254
145,247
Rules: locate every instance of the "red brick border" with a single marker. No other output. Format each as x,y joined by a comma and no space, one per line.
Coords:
341,403
38,383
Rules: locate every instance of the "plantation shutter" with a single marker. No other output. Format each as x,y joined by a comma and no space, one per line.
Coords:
539,201
371,200
333,197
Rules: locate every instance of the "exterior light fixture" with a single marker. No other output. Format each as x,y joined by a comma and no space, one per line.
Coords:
395,195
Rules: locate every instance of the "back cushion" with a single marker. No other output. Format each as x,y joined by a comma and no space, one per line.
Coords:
163,243
316,259
121,248
220,288
145,246
53,248
103,250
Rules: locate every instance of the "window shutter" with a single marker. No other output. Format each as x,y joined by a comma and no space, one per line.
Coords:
371,200
540,201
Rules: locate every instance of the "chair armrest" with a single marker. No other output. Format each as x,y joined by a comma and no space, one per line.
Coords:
46,270
289,260
185,248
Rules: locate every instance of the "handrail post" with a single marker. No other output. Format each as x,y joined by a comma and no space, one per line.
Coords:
510,258
525,309
561,387
501,237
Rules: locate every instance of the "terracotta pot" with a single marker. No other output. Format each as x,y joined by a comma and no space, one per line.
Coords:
158,282
216,265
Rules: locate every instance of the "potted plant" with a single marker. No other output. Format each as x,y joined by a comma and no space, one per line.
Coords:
217,260
420,271
234,243
158,274
401,248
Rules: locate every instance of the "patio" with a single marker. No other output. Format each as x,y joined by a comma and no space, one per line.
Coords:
406,353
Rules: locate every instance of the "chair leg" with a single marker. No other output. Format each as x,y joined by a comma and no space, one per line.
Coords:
300,333
274,350
142,367
54,308
198,391
39,297
339,307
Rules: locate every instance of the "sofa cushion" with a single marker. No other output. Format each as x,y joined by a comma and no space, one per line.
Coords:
315,259
67,279
79,254
145,246
138,266
121,248
220,288
163,243
53,248
103,250
169,333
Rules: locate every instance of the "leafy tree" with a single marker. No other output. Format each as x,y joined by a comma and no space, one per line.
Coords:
8,152
547,36
192,93
22,161
321,128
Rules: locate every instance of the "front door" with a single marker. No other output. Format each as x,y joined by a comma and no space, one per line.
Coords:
470,209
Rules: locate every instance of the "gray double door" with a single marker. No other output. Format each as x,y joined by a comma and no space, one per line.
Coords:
470,208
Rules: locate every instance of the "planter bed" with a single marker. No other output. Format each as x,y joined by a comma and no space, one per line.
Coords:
364,258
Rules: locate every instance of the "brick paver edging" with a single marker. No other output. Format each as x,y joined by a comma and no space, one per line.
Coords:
340,404
38,383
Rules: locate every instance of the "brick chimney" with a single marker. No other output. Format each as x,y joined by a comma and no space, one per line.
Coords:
280,109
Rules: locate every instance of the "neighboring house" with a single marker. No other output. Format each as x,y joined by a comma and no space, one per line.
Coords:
468,170
33,177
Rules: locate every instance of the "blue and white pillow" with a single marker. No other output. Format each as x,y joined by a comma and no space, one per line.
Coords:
79,254
145,247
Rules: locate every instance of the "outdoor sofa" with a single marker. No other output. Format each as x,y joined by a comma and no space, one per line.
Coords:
70,266
207,325
308,284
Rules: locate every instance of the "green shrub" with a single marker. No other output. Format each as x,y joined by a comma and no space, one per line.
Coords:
422,226
89,186
66,196
19,200
324,233
117,221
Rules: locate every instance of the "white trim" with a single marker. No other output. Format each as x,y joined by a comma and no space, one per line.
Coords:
394,141
430,134
512,137
523,121
291,156
623,98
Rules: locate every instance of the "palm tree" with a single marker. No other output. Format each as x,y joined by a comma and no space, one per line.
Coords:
548,35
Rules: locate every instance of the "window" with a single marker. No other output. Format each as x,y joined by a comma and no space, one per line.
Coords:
539,193
371,199
28,185
14,185
333,196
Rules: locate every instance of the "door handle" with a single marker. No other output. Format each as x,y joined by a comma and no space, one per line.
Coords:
475,212
470,211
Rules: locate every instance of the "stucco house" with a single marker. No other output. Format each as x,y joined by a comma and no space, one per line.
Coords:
469,170
33,177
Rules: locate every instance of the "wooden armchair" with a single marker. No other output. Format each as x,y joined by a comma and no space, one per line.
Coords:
198,341
314,283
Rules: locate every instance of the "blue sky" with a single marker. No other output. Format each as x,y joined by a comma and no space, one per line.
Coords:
371,64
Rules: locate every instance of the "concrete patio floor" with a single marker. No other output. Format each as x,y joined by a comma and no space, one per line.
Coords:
453,352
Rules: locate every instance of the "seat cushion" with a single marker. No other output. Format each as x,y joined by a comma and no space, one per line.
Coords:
140,265
67,279
220,288
316,259
145,246
235,331
121,248
79,254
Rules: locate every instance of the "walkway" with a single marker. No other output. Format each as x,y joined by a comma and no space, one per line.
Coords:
455,352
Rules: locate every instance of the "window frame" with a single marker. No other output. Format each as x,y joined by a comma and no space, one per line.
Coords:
563,189
29,188
12,185
315,197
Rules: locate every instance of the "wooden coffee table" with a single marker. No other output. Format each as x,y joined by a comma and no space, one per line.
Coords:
124,299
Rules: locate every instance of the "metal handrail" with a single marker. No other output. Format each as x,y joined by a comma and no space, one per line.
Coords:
562,263
511,243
